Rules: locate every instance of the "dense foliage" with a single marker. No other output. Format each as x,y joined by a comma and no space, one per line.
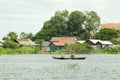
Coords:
116,42
22,50
9,41
64,23
26,35
112,50
107,34
108,50
78,48
10,46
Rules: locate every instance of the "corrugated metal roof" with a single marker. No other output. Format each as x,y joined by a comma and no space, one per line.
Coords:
94,40
101,41
106,42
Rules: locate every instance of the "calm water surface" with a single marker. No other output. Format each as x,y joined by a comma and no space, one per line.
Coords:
43,67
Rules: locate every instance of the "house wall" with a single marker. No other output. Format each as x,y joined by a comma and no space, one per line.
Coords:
55,48
89,42
96,46
46,49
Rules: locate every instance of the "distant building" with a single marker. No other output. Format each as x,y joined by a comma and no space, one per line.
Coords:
23,41
57,43
115,26
81,41
98,44
45,46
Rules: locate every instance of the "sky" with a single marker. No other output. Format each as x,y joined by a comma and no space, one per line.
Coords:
29,15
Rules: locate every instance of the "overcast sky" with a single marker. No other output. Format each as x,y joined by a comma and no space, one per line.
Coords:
29,15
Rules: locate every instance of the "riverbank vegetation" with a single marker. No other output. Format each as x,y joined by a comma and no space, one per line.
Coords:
89,50
75,48
107,50
21,50
78,48
10,46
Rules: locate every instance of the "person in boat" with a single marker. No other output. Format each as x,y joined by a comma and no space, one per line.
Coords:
72,56
62,56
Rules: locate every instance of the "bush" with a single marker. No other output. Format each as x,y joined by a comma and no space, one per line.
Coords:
114,50
115,41
22,50
57,52
78,48
10,44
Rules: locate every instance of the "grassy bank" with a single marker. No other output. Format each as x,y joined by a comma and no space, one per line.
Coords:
21,50
107,50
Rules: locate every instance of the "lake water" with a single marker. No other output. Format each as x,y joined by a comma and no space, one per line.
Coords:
43,67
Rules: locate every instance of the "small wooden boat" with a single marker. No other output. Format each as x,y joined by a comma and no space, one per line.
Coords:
66,58
62,58
78,58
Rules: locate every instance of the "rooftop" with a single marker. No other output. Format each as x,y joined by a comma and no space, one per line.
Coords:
95,41
110,25
25,41
60,41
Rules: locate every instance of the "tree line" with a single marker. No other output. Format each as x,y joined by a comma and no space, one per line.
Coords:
76,23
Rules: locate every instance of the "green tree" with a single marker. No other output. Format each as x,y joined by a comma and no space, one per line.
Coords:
64,24
23,35
30,36
12,35
40,43
78,48
92,21
107,34
84,36
10,44
9,41
56,26
45,34
75,23
5,38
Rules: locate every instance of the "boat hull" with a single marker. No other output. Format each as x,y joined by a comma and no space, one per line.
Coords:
63,58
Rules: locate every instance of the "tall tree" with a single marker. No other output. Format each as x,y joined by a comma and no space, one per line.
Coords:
92,21
64,24
75,23
30,36
56,26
